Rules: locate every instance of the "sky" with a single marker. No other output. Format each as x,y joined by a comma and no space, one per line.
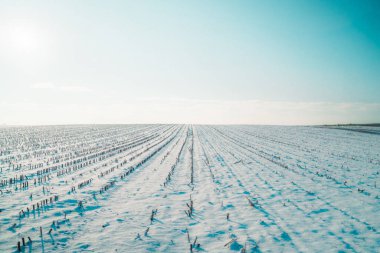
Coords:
196,62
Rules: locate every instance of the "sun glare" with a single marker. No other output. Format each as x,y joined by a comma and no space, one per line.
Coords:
25,38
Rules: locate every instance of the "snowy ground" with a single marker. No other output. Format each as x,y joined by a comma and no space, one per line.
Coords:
171,188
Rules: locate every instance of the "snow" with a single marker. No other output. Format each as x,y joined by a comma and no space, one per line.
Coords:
253,188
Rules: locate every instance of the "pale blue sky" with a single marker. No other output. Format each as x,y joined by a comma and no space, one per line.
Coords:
189,62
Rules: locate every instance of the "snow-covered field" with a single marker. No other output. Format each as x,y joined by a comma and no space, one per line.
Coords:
176,188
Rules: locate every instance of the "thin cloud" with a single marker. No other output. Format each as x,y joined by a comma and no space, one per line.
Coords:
74,88
65,88
191,111
43,86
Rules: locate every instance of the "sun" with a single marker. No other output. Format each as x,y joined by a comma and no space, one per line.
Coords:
25,42
25,38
